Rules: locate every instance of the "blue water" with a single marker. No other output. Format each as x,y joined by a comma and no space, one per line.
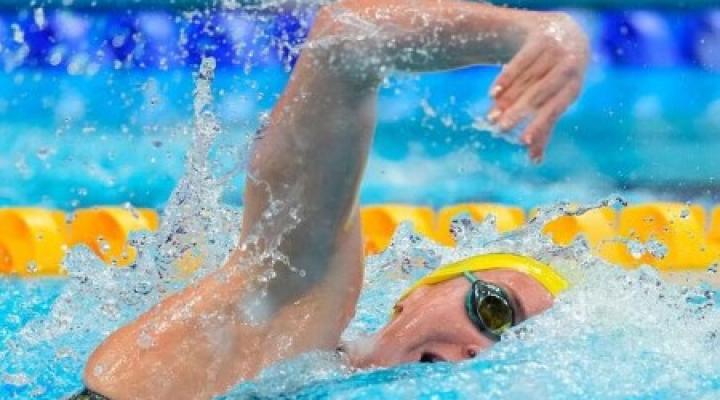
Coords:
614,335
80,146
116,136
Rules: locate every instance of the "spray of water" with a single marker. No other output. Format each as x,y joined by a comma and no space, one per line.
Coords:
196,235
615,334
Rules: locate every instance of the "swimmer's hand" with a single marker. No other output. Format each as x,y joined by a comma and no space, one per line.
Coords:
541,80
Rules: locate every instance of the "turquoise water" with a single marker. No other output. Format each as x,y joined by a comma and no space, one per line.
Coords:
123,136
614,335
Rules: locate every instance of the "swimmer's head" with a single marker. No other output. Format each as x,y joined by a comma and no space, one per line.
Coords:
459,310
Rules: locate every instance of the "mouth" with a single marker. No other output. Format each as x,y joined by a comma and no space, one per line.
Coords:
430,357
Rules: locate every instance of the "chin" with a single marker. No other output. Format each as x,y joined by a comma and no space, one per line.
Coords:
363,351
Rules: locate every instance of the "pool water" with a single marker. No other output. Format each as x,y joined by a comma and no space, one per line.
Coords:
136,153
615,334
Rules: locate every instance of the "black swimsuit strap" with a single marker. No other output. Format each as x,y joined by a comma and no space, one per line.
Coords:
87,394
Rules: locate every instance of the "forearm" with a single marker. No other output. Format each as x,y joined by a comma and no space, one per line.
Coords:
203,340
372,37
172,351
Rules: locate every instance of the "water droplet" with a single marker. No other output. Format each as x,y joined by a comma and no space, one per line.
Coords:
32,267
13,319
636,248
143,287
18,34
656,249
128,206
103,244
18,379
43,153
23,168
110,309
144,340
684,213
39,17
64,352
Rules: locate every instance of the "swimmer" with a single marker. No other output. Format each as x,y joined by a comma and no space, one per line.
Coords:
307,163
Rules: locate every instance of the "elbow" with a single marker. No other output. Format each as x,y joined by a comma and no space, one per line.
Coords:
343,43
107,370
330,36
91,379
332,21
95,372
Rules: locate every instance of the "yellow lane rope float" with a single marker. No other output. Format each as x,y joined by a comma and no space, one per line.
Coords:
32,241
506,218
379,223
678,229
106,231
669,236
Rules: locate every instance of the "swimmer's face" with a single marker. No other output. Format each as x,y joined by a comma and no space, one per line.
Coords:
432,324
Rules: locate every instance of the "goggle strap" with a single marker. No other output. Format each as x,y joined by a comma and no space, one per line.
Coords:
469,276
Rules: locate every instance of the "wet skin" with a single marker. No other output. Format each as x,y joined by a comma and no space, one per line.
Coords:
432,324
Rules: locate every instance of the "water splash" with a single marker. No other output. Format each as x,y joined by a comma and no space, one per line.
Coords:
512,137
195,223
47,355
615,334
601,339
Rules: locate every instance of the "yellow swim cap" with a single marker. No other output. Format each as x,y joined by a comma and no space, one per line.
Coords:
541,272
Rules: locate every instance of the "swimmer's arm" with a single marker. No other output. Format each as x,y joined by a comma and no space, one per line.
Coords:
545,53
310,158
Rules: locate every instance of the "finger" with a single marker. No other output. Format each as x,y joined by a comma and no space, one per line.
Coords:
520,109
537,134
553,84
533,98
524,58
538,70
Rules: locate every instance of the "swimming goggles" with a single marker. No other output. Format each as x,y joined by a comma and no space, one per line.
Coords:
489,307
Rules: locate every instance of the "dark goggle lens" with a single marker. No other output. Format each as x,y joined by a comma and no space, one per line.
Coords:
496,313
489,308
